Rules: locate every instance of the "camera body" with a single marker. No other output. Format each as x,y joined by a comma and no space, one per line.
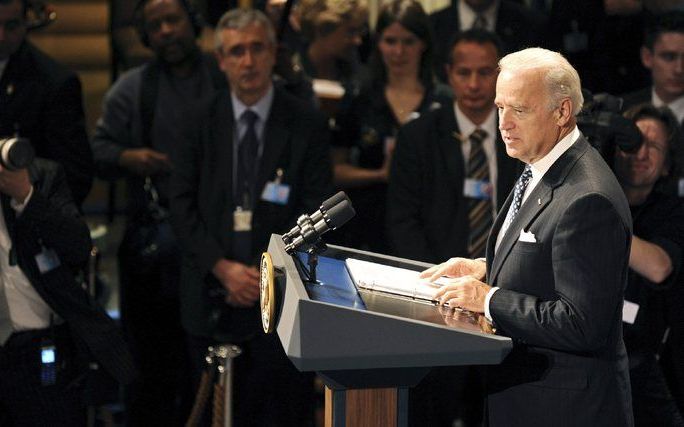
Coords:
605,128
16,153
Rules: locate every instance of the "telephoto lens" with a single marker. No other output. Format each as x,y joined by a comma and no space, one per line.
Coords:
16,153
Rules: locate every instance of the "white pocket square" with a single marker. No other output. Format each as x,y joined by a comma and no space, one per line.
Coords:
527,236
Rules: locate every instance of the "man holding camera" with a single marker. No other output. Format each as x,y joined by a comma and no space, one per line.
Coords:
49,327
655,260
41,99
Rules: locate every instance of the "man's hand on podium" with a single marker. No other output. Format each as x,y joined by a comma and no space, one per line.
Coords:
467,290
456,267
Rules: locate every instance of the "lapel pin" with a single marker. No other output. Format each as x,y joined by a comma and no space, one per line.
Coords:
10,89
539,201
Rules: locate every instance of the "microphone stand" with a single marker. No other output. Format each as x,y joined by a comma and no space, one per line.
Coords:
316,249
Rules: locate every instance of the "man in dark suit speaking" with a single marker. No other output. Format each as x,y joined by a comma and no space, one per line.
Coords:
556,263
256,158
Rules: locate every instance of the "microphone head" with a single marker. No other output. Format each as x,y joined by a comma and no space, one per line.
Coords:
339,214
334,201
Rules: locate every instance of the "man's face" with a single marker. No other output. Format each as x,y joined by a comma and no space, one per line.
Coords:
247,57
169,30
12,28
666,63
344,40
472,76
644,167
529,128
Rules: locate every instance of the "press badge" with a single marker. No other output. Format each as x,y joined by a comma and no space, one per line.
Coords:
47,260
242,220
275,191
477,189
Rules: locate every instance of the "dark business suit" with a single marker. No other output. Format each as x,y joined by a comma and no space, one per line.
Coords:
43,99
296,141
50,220
517,26
560,299
428,214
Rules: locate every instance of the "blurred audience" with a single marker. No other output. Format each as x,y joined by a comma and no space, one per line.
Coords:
332,32
655,261
602,39
518,26
143,114
662,54
254,158
52,333
400,87
42,100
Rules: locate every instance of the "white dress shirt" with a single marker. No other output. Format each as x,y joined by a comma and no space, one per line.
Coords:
677,106
467,16
27,309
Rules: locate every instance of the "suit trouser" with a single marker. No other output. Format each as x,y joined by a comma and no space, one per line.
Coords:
24,400
150,317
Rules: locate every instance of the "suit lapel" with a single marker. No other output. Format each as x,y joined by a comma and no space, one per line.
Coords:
276,135
536,202
450,145
221,134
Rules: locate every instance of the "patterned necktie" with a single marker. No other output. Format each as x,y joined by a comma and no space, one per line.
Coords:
480,22
479,209
248,151
518,192
5,321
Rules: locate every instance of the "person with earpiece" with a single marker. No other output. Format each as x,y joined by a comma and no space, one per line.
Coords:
135,138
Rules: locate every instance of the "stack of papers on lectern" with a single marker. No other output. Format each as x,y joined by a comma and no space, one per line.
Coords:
372,276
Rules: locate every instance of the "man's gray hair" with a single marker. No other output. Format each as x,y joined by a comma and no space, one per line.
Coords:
239,18
561,78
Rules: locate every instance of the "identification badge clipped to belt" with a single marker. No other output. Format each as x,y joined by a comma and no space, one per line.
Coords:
242,219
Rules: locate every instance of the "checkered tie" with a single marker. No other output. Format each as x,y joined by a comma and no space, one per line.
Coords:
518,192
479,210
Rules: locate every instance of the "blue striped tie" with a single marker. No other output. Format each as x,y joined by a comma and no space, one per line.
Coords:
479,210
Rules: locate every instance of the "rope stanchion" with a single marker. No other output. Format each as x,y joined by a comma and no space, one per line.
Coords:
219,362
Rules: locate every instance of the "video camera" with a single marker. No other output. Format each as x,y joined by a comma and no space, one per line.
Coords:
602,123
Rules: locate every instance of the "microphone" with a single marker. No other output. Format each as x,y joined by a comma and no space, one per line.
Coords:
310,231
316,216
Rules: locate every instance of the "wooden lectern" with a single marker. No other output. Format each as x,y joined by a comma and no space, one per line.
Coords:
369,348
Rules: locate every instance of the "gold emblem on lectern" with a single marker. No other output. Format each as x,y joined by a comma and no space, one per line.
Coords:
267,293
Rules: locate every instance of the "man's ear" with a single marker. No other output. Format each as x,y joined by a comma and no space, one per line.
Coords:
564,112
646,57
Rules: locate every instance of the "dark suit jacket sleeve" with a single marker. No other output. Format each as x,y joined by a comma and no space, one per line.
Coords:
115,129
196,240
52,217
588,255
317,175
66,137
405,228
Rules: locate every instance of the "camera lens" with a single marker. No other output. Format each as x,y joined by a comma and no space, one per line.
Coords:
16,153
